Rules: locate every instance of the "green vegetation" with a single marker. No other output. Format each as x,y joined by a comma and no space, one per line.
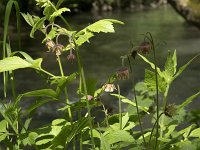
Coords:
121,130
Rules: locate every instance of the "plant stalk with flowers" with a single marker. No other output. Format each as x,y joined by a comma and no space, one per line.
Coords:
115,130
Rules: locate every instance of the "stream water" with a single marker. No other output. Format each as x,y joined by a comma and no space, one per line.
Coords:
101,57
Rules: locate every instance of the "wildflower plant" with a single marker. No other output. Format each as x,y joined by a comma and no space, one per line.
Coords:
77,128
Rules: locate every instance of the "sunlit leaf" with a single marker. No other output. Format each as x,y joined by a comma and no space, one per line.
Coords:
38,25
59,12
195,133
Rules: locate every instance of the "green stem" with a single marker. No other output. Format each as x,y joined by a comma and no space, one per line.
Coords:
156,74
155,123
164,105
13,84
137,108
81,70
106,115
67,99
48,73
120,107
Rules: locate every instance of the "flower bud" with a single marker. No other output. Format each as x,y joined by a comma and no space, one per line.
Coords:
109,87
144,47
122,73
50,44
71,57
58,49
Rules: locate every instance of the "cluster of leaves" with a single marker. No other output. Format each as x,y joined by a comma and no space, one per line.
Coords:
116,131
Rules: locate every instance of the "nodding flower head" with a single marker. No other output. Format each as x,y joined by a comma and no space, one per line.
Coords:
122,73
170,110
50,44
134,53
144,47
109,87
58,49
71,57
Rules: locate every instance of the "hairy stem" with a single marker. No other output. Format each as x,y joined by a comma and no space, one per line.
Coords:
120,107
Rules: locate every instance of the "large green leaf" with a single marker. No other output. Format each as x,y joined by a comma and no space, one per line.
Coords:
15,62
42,93
118,136
195,133
105,25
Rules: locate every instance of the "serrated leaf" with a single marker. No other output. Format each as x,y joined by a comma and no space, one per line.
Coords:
105,26
59,12
42,3
118,136
170,67
38,25
28,18
150,81
82,38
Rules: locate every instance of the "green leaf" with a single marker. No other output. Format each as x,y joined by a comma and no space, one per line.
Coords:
150,81
195,133
28,18
38,25
42,93
126,100
84,37
3,126
118,136
52,34
42,3
13,63
185,66
104,144
59,12
105,26
3,136
151,64
187,101
170,67
125,120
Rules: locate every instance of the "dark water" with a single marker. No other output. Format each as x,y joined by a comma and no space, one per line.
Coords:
101,57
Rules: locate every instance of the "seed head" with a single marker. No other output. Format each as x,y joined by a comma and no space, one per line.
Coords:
170,110
122,73
58,49
50,44
144,47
